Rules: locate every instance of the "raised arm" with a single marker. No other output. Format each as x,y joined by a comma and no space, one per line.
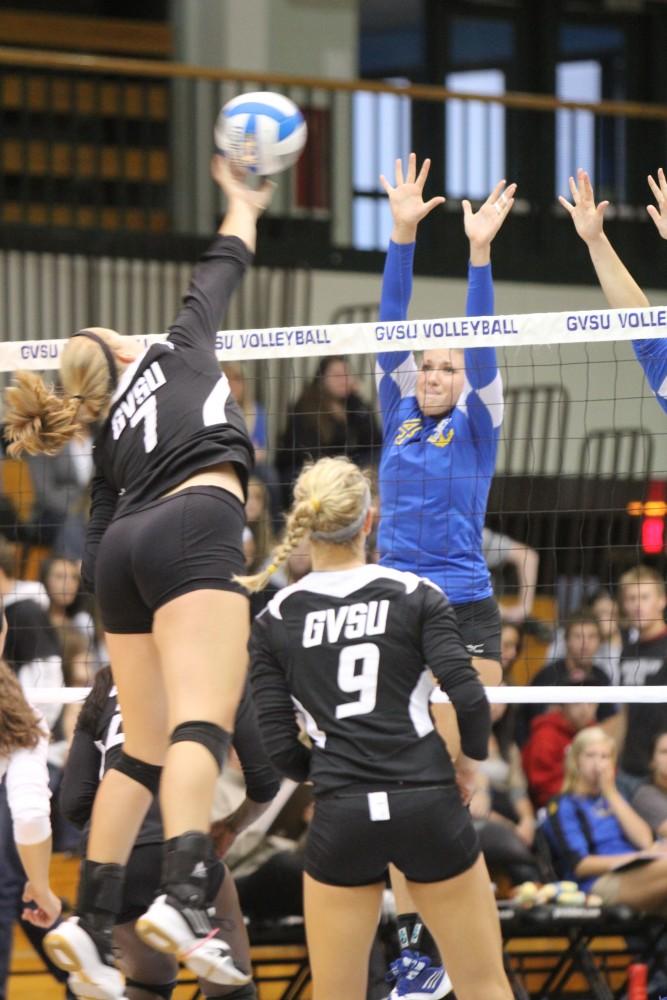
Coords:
619,287
396,371
485,403
222,266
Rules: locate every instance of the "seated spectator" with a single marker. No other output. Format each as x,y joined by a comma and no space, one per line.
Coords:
543,755
77,672
643,661
33,652
328,419
650,799
605,608
500,551
582,640
60,484
62,581
11,589
597,837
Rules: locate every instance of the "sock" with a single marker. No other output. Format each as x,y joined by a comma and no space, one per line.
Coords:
405,923
421,941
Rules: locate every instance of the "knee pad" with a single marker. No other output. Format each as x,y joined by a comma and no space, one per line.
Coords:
147,775
216,739
247,992
165,991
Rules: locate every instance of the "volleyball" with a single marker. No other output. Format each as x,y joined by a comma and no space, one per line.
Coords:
261,132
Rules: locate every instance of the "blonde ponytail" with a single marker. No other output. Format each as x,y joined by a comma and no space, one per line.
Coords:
331,499
39,420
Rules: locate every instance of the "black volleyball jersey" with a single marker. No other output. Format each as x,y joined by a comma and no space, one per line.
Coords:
172,413
346,654
98,742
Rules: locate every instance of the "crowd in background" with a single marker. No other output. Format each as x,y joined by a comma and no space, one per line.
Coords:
54,639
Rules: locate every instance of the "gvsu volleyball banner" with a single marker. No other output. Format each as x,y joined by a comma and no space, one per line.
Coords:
520,330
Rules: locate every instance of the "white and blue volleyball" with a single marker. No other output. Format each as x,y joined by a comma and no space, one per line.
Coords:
261,132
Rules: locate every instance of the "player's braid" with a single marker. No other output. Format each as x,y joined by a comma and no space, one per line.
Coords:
328,496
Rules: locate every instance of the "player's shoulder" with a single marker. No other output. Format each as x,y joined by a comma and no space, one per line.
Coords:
368,582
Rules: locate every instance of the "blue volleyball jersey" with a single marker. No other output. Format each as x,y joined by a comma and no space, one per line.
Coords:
435,473
652,356
581,825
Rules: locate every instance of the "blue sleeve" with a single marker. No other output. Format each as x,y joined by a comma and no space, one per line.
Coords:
259,430
652,356
570,839
395,371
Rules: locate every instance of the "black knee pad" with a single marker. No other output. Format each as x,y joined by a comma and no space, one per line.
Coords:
247,992
216,739
166,991
147,775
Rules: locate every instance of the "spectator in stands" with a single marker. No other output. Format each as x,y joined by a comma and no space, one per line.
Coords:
597,837
511,644
62,580
582,641
643,661
11,589
650,799
32,651
606,610
329,418
258,519
77,672
257,424
60,485
25,827
500,551
543,755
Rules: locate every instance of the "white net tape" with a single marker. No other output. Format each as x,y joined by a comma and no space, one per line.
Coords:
518,330
649,694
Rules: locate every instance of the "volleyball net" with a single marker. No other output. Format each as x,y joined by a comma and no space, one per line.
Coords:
578,498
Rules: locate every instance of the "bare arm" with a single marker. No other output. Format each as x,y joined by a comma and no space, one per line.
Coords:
244,203
36,859
659,213
526,562
619,287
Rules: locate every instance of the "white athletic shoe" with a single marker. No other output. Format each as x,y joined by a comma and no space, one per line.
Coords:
187,934
73,949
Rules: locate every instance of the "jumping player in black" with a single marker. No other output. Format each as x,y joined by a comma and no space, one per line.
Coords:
346,650
164,540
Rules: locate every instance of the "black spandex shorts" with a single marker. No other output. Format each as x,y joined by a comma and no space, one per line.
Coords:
480,626
429,836
191,540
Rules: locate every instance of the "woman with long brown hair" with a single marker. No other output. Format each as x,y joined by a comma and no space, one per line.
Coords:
24,737
172,457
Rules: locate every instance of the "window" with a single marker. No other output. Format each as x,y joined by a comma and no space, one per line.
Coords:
474,135
382,131
575,130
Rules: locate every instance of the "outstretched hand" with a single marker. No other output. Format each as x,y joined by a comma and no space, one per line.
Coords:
588,217
406,199
481,226
659,213
234,182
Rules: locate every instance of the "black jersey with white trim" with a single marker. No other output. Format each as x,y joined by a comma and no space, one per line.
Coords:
344,654
172,413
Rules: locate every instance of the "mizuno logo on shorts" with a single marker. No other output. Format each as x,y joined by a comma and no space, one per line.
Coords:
475,649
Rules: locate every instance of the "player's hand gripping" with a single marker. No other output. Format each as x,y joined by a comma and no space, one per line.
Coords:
234,183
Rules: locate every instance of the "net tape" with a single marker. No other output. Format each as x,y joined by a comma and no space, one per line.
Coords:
512,330
556,695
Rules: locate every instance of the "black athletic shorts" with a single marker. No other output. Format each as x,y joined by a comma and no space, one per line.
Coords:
429,836
479,622
191,540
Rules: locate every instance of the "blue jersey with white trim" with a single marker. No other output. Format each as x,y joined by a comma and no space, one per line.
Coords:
435,473
652,356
